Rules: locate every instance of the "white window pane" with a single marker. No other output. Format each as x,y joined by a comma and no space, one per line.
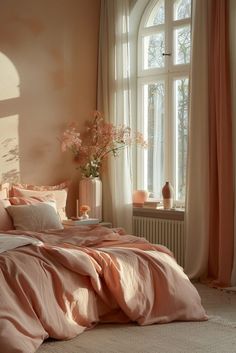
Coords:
182,41
154,125
182,9
157,16
168,30
154,47
181,122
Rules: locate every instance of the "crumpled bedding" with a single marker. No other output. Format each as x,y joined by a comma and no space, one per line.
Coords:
8,242
77,277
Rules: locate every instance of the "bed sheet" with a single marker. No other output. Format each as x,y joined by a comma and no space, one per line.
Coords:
74,278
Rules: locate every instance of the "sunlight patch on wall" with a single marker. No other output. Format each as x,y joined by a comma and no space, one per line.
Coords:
9,136
9,82
9,149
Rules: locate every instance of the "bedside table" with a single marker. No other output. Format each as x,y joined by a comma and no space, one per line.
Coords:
70,223
106,224
80,222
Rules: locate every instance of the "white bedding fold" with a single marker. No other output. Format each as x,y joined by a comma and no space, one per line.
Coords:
8,242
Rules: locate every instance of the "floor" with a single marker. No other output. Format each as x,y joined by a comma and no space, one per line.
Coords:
220,303
217,335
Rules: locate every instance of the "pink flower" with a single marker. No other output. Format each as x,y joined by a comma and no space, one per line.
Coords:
99,140
71,140
84,208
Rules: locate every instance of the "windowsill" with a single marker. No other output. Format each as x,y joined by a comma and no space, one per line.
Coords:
174,214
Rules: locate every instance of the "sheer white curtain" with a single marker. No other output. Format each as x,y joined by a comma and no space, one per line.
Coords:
197,169
114,102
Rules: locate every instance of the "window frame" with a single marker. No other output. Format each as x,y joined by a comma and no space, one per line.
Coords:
169,73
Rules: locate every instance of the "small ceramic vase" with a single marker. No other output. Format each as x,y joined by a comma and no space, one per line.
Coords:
84,215
167,194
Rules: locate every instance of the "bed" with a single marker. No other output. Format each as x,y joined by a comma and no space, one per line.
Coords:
68,280
60,282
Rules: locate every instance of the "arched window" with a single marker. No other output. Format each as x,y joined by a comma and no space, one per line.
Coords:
164,45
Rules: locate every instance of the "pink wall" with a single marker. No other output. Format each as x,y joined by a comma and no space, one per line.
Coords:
48,77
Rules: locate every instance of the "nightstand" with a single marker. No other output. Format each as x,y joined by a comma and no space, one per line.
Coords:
106,224
71,223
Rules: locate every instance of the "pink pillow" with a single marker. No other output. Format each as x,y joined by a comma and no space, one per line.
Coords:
60,186
17,200
5,219
4,190
59,193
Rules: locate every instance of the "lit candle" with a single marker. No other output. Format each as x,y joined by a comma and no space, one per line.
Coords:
77,208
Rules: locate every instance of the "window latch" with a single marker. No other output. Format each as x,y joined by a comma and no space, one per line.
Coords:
166,54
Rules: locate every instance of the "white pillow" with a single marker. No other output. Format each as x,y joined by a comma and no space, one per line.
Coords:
38,217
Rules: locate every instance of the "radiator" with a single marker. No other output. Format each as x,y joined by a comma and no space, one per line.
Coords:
162,231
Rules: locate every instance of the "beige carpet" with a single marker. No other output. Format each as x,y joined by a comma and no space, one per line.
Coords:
218,335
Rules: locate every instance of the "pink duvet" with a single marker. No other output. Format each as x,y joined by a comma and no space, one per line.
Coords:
81,276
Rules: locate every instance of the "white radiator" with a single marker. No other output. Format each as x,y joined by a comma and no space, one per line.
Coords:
162,231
